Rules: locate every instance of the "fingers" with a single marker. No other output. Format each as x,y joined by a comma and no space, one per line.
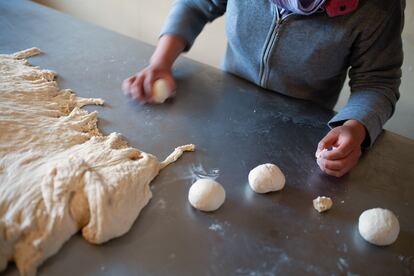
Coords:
126,85
129,85
345,146
327,142
335,165
344,154
148,84
335,173
133,86
138,89
337,170
338,153
339,167
140,86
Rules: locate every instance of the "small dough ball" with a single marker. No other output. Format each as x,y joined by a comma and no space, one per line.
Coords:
160,91
266,178
206,195
379,226
322,203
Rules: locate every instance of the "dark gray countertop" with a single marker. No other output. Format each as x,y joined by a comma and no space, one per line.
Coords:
235,126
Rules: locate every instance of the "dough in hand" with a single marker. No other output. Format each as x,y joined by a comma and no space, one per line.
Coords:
206,195
322,203
379,226
160,91
266,178
325,150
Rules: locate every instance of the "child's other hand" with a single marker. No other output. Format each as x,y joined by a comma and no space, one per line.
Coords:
345,144
140,85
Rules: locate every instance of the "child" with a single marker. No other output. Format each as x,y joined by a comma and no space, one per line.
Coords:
303,49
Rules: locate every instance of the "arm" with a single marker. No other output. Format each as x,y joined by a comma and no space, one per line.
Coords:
183,25
188,18
375,76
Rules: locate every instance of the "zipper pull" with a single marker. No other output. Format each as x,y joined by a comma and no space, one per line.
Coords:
278,15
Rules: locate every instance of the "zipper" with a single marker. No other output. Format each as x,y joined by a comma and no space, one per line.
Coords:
269,47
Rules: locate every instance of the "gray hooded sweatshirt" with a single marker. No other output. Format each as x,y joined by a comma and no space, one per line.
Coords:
308,56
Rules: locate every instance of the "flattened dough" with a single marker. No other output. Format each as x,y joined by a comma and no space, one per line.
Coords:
58,173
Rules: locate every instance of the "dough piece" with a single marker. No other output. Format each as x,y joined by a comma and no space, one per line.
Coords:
325,150
206,195
161,92
266,178
322,203
379,226
58,173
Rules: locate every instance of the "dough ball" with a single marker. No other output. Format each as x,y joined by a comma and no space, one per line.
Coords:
266,178
206,195
160,91
379,226
322,203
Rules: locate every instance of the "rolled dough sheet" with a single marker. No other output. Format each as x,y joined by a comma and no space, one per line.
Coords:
58,173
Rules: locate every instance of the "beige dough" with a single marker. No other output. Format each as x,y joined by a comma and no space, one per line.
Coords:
58,173
160,91
322,203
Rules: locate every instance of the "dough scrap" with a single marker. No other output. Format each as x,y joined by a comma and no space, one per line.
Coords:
322,203
58,173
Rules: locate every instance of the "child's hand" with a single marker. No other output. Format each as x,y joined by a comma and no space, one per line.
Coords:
345,144
140,85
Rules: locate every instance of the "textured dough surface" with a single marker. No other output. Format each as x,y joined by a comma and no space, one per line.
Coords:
322,203
266,178
379,226
58,173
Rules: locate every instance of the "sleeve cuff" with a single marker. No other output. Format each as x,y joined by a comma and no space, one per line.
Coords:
372,109
185,22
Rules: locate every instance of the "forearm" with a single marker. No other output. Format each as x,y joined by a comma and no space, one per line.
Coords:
187,18
168,49
375,74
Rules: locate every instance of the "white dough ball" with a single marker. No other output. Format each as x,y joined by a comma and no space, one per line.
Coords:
206,195
379,226
160,91
266,178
